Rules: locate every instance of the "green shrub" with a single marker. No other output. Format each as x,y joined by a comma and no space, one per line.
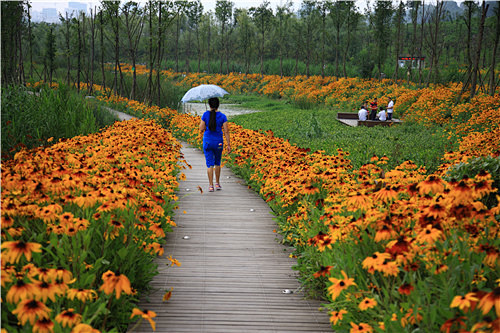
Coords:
475,166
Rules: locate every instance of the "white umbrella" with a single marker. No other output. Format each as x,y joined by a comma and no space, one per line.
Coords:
203,92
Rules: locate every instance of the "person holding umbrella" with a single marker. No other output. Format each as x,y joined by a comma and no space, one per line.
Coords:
214,125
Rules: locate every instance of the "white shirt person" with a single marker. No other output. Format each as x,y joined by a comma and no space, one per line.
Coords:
390,109
362,113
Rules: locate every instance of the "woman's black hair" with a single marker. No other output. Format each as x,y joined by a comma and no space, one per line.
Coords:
214,105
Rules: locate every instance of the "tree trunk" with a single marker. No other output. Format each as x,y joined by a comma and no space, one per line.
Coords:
117,52
30,42
492,80
421,42
177,28
484,9
101,28
160,54
398,38
149,97
92,48
68,50
222,48
79,51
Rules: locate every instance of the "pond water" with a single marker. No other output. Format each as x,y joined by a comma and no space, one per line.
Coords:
228,109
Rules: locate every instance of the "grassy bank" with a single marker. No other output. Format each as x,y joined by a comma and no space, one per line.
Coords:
318,129
33,115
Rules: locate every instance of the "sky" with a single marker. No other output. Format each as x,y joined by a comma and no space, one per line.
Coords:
207,4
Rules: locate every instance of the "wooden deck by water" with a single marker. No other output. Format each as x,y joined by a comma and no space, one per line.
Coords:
233,270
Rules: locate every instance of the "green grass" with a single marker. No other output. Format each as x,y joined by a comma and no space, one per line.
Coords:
318,129
29,118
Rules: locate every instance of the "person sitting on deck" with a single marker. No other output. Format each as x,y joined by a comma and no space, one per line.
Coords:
373,107
382,116
362,113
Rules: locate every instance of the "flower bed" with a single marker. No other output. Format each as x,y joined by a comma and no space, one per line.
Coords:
82,222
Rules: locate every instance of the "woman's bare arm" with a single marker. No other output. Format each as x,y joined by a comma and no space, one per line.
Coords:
225,126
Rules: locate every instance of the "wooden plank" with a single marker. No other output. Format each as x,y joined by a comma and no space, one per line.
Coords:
233,268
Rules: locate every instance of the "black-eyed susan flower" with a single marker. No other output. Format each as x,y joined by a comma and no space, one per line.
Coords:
453,325
490,300
388,268
429,235
68,318
44,325
64,275
464,302
367,303
44,290
82,295
15,249
31,310
147,314
339,284
375,260
115,282
323,271
20,291
405,289
47,274
360,328
432,184
336,316
84,328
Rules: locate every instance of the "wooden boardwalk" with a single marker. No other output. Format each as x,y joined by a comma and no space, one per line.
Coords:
234,272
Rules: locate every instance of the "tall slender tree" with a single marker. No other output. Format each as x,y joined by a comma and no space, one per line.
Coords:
308,14
134,23
475,70
283,14
223,12
381,19
262,17
492,81
399,21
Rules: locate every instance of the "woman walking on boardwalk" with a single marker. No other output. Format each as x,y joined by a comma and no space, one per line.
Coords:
214,125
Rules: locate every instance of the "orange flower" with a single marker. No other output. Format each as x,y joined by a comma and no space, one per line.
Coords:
335,316
367,303
31,310
82,295
375,260
360,328
20,291
489,300
429,235
148,315
44,290
406,289
463,302
339,284
115,282
44,325
324,270
453,325
69,318
15,249
432,184
84,328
